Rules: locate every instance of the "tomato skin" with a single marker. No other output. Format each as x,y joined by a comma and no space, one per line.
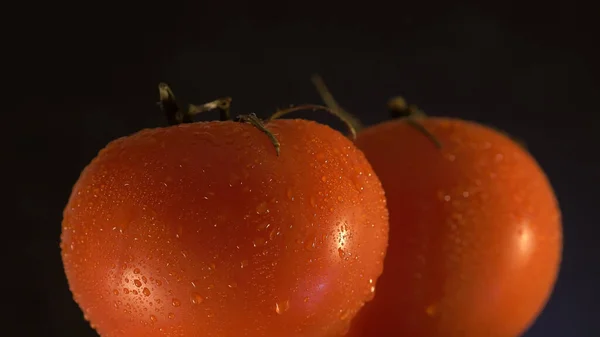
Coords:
475,233
201,230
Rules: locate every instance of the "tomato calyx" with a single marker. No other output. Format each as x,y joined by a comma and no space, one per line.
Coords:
176,116
397,108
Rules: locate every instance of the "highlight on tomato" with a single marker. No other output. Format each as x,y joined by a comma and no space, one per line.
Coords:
225,228
475,228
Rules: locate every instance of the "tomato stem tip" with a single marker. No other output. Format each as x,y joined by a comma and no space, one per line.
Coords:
331,103
253,120
399,109
222,105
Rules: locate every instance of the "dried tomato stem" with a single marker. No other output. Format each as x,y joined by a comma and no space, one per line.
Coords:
336,113
330,101
257,123
169,106
398,108
176,116
222,105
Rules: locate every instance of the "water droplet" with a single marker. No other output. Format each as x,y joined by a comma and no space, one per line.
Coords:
282,307
171,315
262,208
159,283
323,178
313,202
345,314
447,198
431,310
153,318
244,263
341,253
232,285
125,291
310,243
498,158
137,283
212,266
273,234
136,271
263,226
175,302
259,241
115,291
146,292
465,194
196,298
290,194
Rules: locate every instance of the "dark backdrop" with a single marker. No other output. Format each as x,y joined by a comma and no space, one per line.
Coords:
80,76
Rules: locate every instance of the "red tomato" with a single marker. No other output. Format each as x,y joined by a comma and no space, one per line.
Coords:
202,230
476,238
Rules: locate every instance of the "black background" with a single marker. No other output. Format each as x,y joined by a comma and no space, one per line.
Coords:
81,75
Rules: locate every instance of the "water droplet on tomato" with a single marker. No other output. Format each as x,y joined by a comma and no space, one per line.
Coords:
137,283
116,292
196,298
310,242
263,226
431,310
341,253
259,241
313,202
345,314
171,315
136,271
281,307
153,318
146,292
290,194
262,208
244,263
175,302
